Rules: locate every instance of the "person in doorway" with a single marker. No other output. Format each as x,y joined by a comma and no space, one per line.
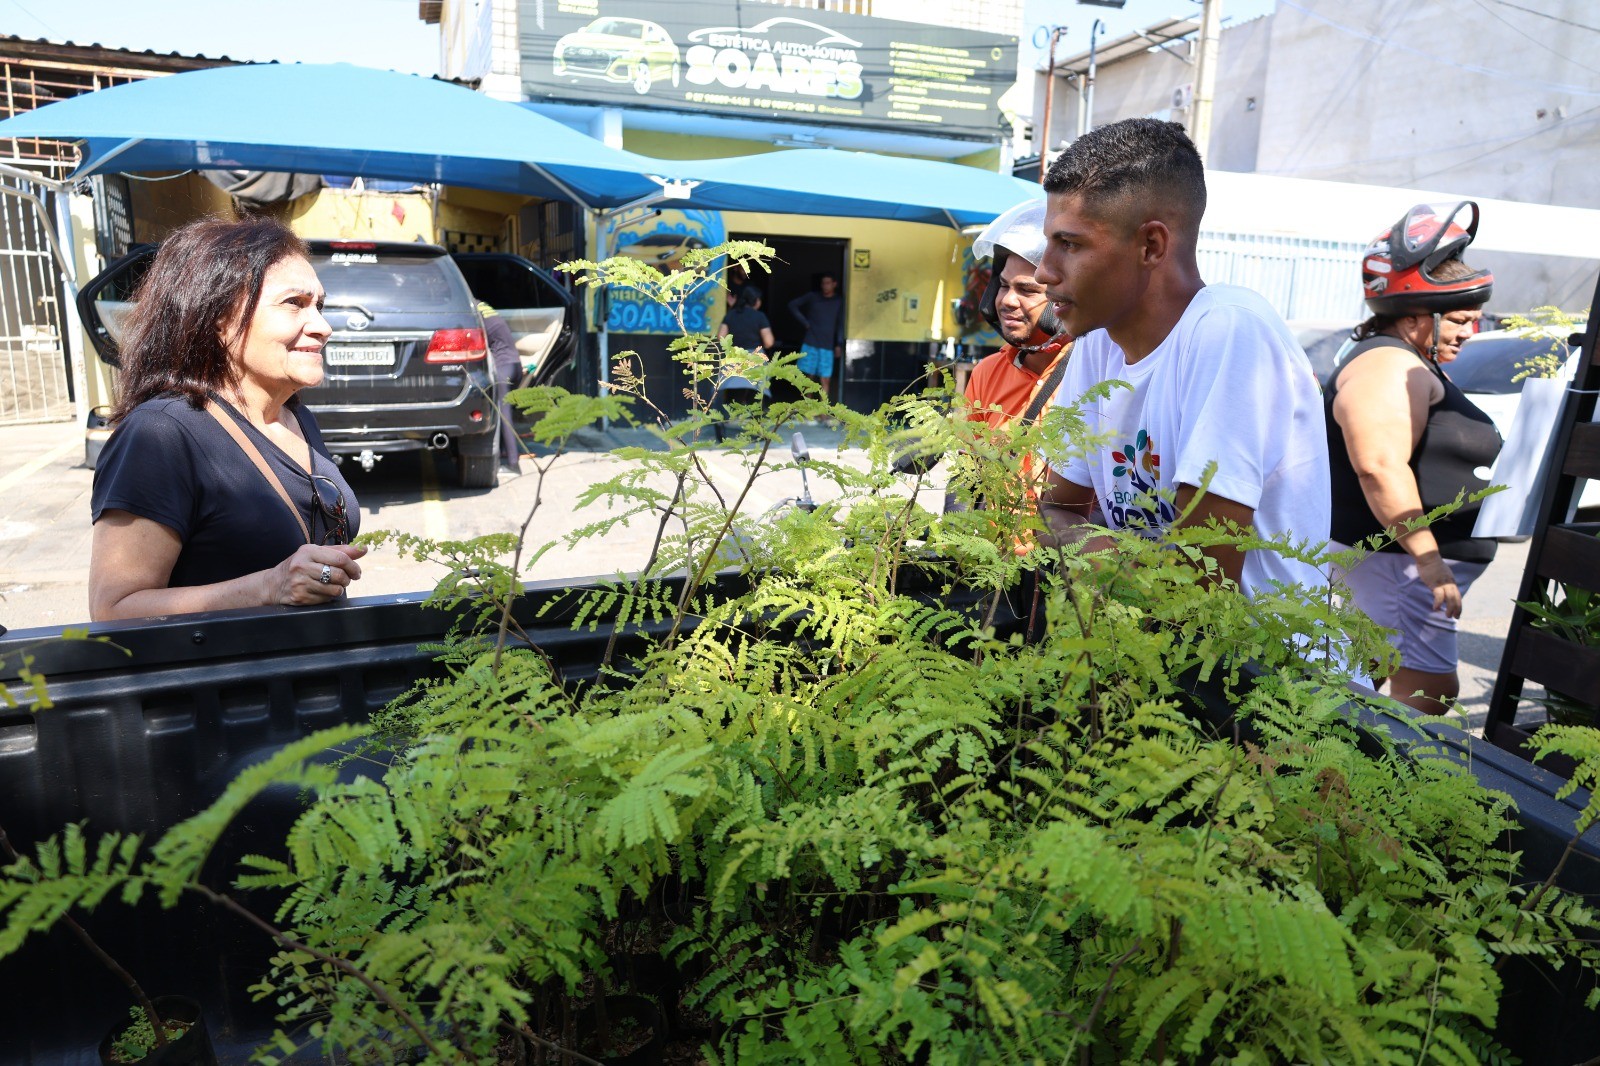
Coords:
507,372
1215,376
734,284
747,326
214,489
1403,439
821,314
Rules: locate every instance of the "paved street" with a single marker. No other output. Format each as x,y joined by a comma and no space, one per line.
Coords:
44,530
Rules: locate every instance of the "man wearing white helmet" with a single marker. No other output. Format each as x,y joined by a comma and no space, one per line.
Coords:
1005,386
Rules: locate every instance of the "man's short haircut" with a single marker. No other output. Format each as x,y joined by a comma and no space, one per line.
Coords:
1137,166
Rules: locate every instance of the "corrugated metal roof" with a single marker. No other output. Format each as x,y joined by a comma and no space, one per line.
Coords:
94,52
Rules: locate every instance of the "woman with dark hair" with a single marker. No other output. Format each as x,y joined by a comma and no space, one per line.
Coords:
215,489
1403,439
747,325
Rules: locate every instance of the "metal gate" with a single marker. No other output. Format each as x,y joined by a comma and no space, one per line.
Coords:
35,382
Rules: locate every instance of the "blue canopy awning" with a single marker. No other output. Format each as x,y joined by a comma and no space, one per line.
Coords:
337,119
826,181
343,119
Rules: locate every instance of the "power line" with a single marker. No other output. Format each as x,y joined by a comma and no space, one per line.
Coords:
1550,86
1499,143
1513,143
18,5
1547,15
1347,82
1528,36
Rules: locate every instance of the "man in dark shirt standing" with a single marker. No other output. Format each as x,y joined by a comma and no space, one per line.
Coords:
822,315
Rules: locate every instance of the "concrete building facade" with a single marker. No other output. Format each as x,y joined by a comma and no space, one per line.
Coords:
1493,101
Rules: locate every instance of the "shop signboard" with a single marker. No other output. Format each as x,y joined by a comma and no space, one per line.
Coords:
659,238
766,61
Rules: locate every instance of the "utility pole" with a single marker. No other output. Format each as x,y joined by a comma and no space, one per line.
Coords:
1088,108
1205,76
1049,102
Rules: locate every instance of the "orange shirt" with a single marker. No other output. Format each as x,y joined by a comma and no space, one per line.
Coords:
1003,379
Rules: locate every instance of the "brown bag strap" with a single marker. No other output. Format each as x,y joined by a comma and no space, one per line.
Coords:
248,446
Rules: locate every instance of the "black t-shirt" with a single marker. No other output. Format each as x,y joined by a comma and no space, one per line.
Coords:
745,325
175,465
823,317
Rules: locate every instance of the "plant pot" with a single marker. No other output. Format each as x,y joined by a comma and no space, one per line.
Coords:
1517,741
1559,664
192,1048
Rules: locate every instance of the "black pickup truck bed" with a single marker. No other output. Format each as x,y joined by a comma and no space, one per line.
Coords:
152,719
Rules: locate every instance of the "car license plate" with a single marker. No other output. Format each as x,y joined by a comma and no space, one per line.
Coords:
358,354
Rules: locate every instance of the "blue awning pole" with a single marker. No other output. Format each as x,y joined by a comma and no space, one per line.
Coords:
602,235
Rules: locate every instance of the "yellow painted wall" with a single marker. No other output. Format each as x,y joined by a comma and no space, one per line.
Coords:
988,159
497,204
906,259
159,207
662,145
341,214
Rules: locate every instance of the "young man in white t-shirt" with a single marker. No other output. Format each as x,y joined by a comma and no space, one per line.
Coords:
1215,374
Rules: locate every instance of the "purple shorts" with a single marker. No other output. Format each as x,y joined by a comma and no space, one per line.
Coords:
1386,588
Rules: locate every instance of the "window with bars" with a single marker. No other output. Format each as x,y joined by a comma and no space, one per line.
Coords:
26,84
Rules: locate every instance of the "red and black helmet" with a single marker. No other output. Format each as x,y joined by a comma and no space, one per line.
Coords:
1397,270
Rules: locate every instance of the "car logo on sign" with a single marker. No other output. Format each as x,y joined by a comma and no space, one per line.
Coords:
358,321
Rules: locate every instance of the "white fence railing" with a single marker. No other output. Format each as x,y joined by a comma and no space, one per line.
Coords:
1302,278
33,368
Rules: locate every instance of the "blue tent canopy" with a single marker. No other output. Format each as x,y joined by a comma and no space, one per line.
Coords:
337,119
343,119
825,181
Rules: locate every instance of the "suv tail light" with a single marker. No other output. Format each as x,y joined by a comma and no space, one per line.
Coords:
353,246
457,346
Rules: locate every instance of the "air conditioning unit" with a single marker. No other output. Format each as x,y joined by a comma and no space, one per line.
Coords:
1182,97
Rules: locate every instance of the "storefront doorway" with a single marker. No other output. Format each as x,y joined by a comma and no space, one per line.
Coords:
796,268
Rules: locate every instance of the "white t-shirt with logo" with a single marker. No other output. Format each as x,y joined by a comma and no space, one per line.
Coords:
1229,384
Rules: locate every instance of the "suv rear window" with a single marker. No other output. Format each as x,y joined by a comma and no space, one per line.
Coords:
391,282
503,283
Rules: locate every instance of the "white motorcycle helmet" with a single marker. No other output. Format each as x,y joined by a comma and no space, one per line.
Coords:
1018,231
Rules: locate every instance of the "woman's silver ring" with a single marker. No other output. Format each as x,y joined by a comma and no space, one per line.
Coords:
327,574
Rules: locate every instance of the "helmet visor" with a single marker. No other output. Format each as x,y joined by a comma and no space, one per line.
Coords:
1020,229
1431,233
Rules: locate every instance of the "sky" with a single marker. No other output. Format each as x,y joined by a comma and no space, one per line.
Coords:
371,33
387,33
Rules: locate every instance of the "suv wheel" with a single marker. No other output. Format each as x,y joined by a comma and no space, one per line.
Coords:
477,471
642,77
